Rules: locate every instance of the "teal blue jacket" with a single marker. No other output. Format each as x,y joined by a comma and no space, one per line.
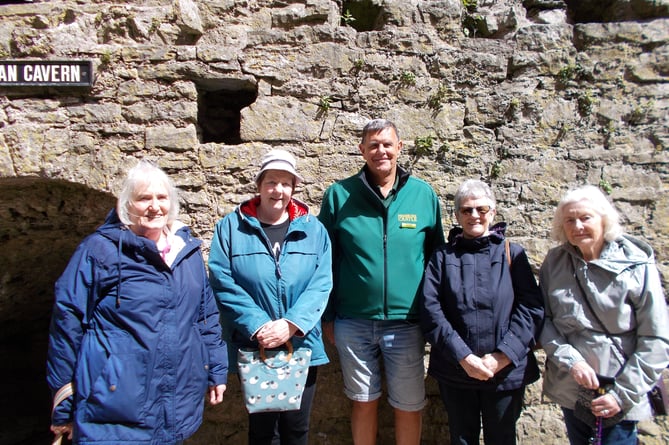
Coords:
379,252
253,288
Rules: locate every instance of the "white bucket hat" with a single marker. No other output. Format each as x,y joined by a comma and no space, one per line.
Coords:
279,160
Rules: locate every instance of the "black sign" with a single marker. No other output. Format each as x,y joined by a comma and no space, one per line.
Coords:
77,73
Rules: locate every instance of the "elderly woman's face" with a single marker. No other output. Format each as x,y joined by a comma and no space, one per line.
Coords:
276,189
583,226
475,216
149,209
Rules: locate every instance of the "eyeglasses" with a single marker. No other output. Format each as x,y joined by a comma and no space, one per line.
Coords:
481,210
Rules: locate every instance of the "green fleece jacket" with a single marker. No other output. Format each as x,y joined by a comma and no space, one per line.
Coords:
379,252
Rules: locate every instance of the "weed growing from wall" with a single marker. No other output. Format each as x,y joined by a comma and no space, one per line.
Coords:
407,78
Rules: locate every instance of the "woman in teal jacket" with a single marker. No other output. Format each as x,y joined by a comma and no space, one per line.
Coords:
135,328
270,268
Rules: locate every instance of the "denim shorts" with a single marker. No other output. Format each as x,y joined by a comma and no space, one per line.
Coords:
363,343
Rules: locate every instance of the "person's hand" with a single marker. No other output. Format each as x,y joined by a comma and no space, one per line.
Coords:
584,375
605,406
475,368
62,430
496,361
216,394
328,331
275,333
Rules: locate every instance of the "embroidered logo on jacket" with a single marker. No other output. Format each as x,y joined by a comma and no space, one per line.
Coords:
407,220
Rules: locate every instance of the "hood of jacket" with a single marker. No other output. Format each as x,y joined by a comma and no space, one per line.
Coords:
122,236
296,208
620,254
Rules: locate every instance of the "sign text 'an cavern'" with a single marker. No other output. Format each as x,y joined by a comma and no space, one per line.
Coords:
46,73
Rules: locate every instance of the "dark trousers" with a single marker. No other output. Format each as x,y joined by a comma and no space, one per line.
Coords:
467,409
580,433
285,428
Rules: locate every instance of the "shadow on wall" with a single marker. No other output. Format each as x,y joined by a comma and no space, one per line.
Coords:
41,223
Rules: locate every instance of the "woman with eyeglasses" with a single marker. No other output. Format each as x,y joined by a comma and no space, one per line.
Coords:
481,310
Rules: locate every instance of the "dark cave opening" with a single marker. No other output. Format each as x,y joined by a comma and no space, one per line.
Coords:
41,223
219,108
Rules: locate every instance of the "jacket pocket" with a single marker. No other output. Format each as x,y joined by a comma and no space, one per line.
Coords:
197,358
118,393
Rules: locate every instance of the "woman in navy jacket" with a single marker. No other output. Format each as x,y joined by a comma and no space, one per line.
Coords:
480,311
270,268
135,328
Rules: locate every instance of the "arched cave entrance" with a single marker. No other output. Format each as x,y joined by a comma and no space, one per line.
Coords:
41,223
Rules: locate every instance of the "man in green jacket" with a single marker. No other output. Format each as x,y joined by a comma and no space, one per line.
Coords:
384,225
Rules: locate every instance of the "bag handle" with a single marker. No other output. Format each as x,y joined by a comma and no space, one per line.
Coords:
287,358
61,395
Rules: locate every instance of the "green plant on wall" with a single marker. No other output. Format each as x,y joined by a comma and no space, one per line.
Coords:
495,170
605,186
514,107
443,150
640,113
347,18
571,72
585,103
407,78
105,58
470,5
609,131
436,101
473,24
423,146
324,103
155,25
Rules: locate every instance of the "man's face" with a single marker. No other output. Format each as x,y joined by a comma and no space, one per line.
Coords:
380,151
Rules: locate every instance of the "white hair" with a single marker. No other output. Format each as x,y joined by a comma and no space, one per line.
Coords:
598,202
144,173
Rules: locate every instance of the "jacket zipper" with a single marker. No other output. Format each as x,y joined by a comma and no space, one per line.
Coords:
385,263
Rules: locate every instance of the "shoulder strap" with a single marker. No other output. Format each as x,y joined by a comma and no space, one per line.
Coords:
594,314
507,249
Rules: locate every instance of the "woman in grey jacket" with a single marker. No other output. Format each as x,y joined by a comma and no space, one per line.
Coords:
606,332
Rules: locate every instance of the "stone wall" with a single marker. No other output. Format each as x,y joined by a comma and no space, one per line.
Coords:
533,96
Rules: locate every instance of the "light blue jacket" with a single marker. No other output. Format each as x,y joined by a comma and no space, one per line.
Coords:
253,288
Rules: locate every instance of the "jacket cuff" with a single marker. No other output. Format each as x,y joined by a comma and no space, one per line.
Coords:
299,332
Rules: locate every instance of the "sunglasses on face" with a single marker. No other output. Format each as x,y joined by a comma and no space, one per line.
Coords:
481,210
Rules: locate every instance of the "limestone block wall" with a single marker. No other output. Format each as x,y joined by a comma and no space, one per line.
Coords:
533,96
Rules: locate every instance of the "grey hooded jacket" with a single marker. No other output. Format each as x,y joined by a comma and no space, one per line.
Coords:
623,286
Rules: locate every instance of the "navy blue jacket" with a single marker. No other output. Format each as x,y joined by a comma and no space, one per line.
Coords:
140,340
473,304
